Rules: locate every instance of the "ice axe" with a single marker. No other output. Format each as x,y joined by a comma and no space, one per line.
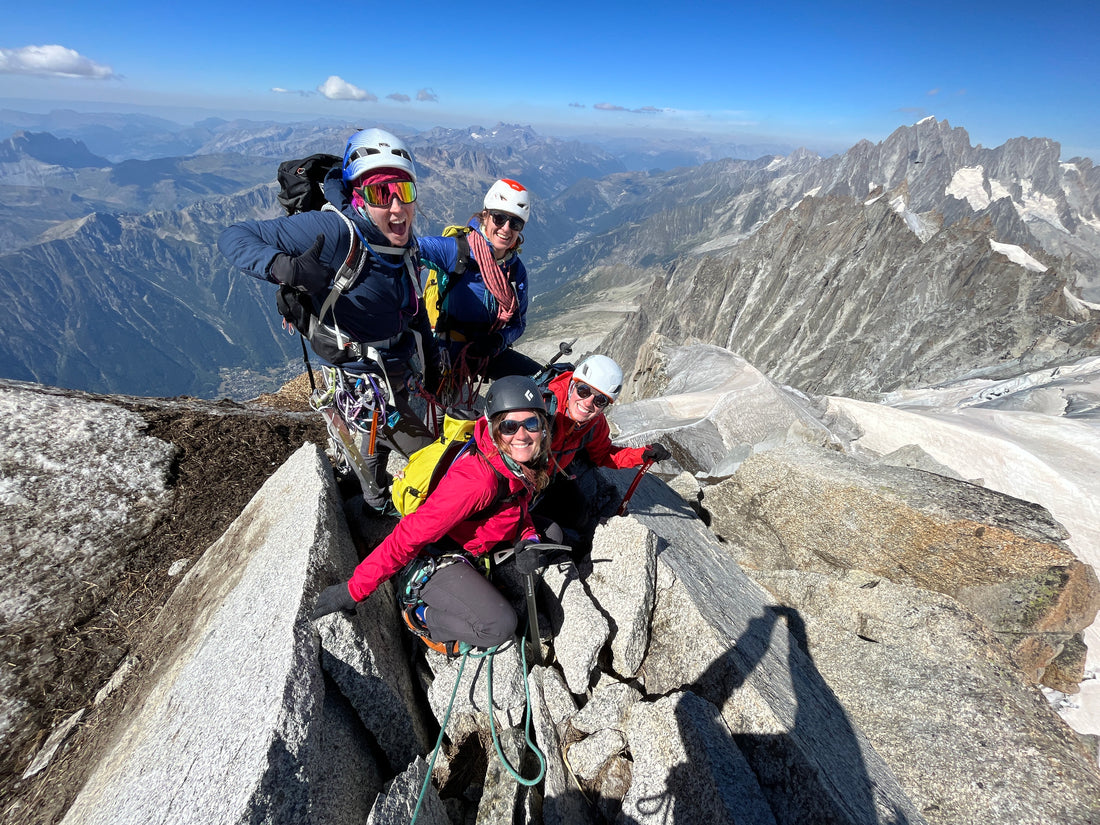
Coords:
634,486
528,560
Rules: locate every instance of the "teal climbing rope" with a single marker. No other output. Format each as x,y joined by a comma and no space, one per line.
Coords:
465,649
527,728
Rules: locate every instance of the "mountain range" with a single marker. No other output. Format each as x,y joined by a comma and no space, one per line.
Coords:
914,260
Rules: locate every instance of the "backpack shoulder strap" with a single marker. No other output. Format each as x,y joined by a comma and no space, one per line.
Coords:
463,253
351,267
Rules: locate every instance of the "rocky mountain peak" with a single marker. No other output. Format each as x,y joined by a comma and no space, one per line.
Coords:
45,148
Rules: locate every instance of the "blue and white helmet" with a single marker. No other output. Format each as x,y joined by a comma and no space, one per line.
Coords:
370,149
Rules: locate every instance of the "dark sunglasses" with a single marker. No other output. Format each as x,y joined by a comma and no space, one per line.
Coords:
382,194
509,426
499,218
583,391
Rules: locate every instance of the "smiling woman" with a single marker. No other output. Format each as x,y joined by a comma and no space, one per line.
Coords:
367,322
480,303
480,506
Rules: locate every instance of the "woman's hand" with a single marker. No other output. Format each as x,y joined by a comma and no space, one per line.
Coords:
303,271
333,598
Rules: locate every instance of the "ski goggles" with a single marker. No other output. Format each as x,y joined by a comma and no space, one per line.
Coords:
382,194
509,426
500,218
583,391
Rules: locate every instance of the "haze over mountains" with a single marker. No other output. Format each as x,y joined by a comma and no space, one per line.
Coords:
916,260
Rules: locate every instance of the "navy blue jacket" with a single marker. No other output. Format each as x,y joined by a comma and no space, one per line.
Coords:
382,304
471,308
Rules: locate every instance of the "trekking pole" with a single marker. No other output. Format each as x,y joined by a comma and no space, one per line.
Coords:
564,348
634,486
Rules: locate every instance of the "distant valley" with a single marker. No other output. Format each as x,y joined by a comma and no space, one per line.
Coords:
915,260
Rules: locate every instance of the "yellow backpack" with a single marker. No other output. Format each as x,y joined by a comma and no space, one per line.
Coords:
429,464
438,282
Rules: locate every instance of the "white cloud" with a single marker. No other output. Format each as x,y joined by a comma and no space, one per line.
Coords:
398,97
427,96
51,61
336,88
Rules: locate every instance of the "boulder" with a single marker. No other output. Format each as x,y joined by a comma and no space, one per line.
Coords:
468,679
562,803
624,561
582,630
610,702
821,511
937,695
718,634
365,658
713,409
399,803
588,756
687,767
226,728
501,794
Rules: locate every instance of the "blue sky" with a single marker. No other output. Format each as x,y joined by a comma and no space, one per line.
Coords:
808,74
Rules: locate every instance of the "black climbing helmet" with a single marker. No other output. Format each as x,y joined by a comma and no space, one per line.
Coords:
513,392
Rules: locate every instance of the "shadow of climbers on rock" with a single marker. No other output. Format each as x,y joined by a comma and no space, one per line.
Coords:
814,772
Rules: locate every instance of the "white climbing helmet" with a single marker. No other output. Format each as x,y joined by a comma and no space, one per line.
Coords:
370,149
600,373
509,196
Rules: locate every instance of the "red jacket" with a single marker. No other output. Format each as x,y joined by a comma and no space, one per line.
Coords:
470,485
594,437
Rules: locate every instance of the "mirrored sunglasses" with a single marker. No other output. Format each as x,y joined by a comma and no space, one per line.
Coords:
510,426
499,218
382,194
583,391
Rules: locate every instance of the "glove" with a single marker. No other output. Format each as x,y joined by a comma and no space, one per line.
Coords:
333,598
305,271
486,347
528,560
655,452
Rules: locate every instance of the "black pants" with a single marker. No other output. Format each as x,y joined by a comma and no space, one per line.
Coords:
511,362
563,502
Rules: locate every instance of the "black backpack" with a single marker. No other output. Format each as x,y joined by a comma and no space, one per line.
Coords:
300,182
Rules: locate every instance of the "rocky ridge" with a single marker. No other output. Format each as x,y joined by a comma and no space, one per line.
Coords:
795,691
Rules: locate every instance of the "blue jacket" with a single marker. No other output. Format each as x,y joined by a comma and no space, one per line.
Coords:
381,306
470,306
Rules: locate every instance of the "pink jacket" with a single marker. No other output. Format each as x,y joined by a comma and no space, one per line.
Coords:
593,437
470,485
